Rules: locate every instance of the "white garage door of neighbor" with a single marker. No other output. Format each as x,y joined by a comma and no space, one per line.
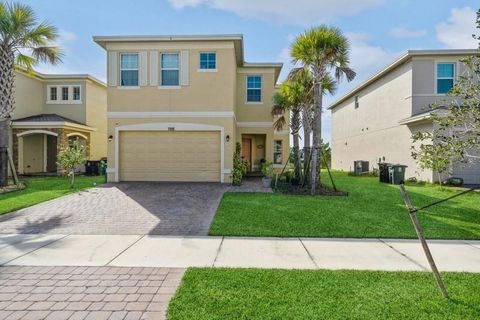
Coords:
469,172
169,156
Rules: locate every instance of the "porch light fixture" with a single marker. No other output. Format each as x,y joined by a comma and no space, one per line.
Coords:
227,138
110,138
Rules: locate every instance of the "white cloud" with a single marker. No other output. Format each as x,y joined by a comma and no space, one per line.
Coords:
402,32
301,12
366,58
457,31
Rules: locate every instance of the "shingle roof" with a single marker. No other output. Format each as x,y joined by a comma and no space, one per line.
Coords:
47,118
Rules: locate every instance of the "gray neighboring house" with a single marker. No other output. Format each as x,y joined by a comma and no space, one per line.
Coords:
376,120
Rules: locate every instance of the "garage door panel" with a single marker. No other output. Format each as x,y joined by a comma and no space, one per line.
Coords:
169,156
469,172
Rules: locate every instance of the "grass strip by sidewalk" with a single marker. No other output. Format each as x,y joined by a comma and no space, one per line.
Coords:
219,294
42,189
371,210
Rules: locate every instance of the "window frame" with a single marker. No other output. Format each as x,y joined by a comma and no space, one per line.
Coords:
168,86
59,100
50,88
260,89
279,152
454,77
137,69
79,93
62,88
200,69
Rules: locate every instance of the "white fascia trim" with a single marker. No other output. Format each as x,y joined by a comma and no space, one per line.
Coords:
168,127
77,134
29,132
180,114
255,124
53,124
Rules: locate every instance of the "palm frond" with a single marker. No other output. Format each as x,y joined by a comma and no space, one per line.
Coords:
279,123
26,61
42,35
51,55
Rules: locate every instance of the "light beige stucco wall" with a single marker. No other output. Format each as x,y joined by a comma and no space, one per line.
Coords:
373,131
206,91
74,111
254,111
226,123
96,116
29,95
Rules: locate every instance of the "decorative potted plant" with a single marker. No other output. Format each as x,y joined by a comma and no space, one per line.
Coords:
267,169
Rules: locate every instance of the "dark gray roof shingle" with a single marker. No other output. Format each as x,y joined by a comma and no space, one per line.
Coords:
47,118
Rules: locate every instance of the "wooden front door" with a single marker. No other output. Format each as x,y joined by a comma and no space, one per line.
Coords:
51,153
247,152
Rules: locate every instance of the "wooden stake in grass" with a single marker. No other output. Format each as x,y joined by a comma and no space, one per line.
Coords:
418,229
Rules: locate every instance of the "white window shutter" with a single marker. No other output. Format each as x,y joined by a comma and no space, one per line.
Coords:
143,69
154,68
112,69
184,68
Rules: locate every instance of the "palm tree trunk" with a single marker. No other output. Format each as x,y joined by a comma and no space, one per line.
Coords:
317,132
306,151
7,75
295,125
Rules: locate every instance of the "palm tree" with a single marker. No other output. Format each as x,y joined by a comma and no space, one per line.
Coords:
288,99
23,42
304,76
322,50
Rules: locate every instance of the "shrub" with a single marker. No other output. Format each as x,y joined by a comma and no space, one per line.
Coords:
239,166
71,157
267,169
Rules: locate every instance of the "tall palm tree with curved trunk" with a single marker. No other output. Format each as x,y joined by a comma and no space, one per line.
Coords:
323,50
23,42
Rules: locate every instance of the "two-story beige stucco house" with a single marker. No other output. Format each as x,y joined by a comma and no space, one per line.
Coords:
52,110
177,105
375,121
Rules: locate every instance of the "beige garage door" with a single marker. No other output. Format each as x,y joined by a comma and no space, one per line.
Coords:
170,156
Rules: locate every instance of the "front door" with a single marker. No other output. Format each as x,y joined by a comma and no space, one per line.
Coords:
247,152
51,153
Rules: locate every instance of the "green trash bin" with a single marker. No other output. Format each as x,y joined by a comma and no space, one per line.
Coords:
396,173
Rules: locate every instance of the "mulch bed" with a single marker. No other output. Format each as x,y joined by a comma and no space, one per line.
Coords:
288,188
12,188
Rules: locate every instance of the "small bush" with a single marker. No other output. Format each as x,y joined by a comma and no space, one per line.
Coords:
240,166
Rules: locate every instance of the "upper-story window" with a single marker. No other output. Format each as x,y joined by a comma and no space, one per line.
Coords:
53,93
254,89
129,69
76,93
445,77
170,65
357,103
208,60
64,93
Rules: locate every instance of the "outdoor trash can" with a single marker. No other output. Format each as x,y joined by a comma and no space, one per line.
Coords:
383,172
396,173
91,168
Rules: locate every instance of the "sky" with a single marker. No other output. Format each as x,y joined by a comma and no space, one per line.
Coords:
378,30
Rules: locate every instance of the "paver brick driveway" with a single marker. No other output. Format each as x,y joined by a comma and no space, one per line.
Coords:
123,208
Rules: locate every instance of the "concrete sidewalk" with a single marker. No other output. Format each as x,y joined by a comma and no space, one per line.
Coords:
183,252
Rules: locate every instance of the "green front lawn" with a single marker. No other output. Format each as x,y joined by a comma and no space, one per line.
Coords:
371,210
281,294
42,189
